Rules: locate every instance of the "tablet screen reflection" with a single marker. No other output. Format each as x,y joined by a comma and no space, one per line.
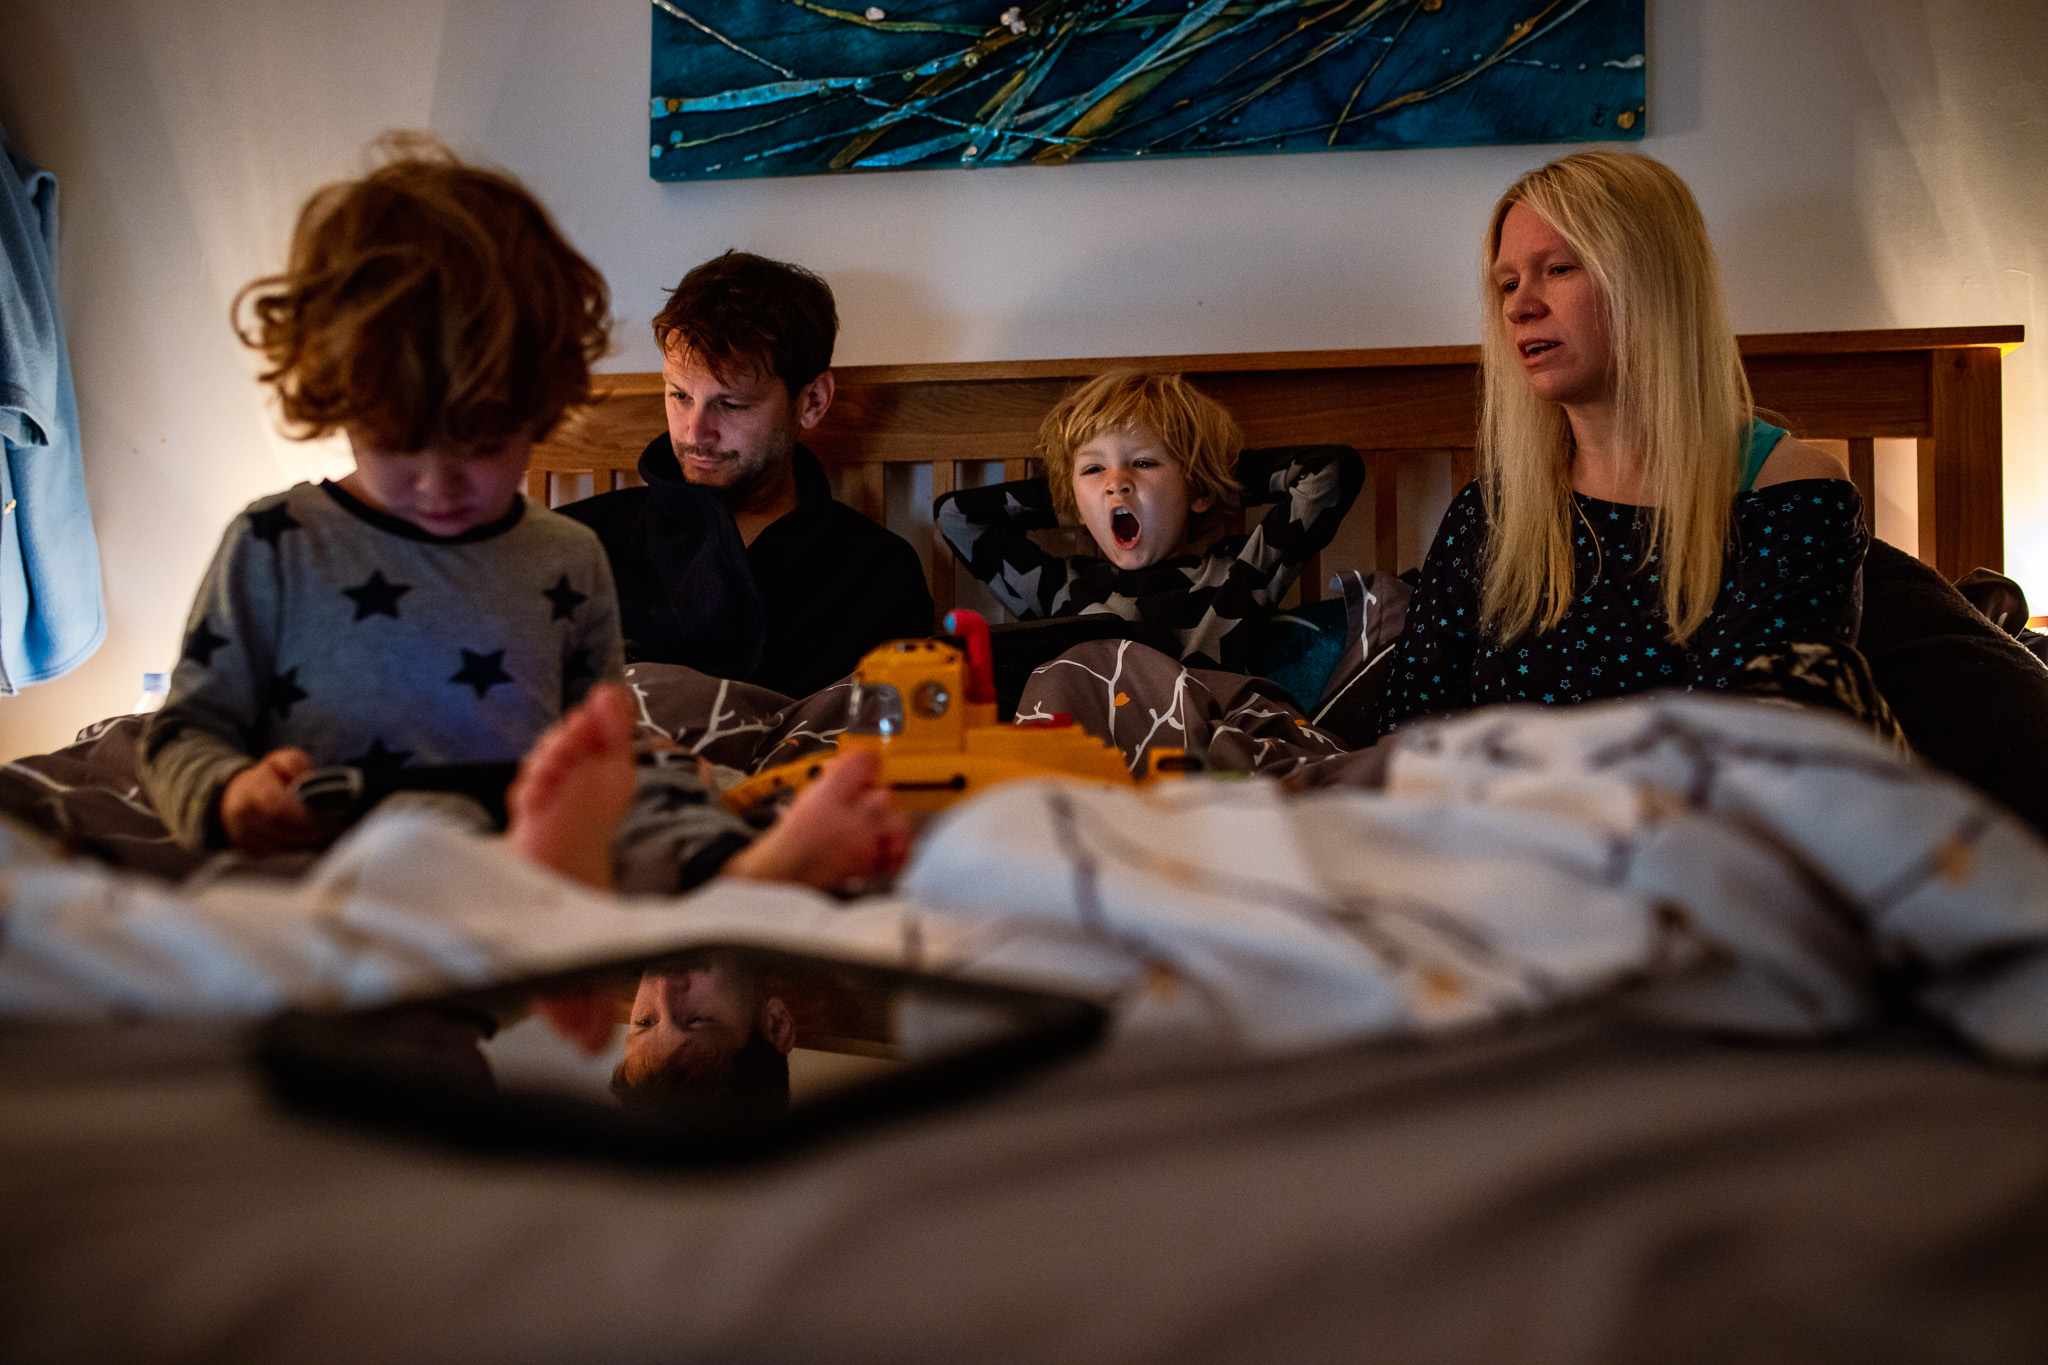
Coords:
714,1054
721,1030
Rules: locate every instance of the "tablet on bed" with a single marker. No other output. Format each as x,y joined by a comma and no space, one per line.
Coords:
718,1054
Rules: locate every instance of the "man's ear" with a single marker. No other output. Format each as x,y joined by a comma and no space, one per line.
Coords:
1197,506
777,1025
813,399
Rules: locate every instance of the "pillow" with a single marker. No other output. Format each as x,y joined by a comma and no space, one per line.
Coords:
2005,606
1376,612
1299,649
1970,698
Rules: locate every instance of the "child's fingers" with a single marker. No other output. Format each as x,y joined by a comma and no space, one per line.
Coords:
289,765
278,803
267,829
270,783
289,816
286,813
259,811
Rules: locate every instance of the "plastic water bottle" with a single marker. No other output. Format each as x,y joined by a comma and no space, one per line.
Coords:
155,687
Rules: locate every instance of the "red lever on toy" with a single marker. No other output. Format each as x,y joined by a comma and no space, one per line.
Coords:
972,629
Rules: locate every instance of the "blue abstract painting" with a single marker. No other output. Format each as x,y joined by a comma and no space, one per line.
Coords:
799,87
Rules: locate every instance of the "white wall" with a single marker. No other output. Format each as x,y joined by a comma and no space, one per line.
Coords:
1863,163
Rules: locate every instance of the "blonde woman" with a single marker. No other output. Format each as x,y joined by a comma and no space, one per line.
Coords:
1635,525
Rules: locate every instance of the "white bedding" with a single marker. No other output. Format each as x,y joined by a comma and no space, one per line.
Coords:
1751,865
1743,866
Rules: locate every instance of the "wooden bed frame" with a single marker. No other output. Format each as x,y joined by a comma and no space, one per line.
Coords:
1937,386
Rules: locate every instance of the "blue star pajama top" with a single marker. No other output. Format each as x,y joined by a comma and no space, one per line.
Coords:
1789,575
326,625
1210,603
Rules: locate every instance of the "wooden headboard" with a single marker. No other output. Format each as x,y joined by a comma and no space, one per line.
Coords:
1936,386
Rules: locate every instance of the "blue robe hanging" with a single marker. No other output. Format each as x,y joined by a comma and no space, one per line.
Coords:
52,613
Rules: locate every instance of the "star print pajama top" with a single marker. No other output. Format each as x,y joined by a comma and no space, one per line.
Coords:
1790,575
1210,604
329,626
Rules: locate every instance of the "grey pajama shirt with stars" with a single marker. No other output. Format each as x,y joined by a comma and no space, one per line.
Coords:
326,625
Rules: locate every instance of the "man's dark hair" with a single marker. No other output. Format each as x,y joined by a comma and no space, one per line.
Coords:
753,1088
740,312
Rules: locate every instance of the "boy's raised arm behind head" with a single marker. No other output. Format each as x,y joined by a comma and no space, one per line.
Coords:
1314,487
987,530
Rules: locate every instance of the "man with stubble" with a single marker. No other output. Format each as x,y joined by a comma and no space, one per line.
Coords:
734,558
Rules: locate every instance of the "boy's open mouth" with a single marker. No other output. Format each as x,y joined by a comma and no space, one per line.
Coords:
1124,527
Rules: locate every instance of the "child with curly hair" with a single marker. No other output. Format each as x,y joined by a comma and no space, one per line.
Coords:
421,611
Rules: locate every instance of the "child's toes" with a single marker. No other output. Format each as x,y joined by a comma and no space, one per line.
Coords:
615,711
584,730
852,773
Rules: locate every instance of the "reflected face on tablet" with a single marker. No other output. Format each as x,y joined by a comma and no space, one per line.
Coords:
691,1030
731,1052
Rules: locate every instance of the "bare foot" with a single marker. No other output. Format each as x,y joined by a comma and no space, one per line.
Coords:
574,787
838,830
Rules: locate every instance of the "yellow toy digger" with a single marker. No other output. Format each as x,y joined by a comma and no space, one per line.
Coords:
929,708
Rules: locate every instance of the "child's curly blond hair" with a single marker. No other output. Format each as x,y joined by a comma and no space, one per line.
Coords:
1198,432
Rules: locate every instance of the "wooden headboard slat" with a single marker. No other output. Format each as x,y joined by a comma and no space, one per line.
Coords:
1879,394
1962,467
1391,357
1882,339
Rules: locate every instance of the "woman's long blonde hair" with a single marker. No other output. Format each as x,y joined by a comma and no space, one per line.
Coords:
1682,397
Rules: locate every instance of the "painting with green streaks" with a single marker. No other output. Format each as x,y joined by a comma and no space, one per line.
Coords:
800,87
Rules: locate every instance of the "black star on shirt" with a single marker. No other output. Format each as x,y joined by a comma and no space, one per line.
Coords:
201,643
375,596
378,762
283,693
271,523
565,598
482,671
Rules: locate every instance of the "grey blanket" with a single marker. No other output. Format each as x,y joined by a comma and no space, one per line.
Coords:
1579,1192
88,796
